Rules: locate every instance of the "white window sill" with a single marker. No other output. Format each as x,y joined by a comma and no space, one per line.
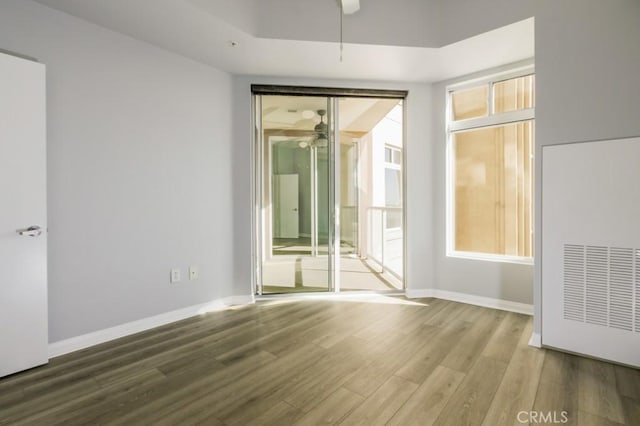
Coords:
491,257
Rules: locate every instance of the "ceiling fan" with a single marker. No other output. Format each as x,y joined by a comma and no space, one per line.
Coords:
320,138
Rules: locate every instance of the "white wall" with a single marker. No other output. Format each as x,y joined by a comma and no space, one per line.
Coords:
139,171
419,273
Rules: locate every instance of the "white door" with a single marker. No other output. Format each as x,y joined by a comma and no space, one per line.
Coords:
591,249
287,209
23,258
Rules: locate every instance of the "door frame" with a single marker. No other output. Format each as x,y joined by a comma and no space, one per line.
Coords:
268,244
333,94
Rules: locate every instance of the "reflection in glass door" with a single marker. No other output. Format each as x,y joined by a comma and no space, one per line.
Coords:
295,193
328,194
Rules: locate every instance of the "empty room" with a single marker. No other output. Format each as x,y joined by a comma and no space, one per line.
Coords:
245,212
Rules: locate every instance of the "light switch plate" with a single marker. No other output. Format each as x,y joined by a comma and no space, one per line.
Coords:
194,274
175,275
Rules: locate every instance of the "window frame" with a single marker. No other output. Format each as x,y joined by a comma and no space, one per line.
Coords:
393,150
493,119
396,167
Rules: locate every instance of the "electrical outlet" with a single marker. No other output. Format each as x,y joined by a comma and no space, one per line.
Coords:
194,274
175,276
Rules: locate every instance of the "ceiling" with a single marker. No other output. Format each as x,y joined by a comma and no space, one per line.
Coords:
400,40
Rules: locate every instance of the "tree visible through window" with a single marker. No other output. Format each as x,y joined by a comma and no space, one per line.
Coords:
491,140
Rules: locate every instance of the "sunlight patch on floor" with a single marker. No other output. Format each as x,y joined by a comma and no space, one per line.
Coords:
352,298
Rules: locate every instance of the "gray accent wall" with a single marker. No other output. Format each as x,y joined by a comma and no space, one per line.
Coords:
496,280
139,171
587,82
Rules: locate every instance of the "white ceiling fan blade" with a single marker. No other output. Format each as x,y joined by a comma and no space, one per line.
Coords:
350,6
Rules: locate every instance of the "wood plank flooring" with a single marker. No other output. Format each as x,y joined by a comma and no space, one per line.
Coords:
309,362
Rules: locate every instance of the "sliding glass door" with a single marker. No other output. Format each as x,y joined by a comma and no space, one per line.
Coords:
319,186
294,146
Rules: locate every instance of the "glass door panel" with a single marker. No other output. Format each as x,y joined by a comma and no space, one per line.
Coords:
370,182
294,179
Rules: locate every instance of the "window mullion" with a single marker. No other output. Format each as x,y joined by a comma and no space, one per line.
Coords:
492,120
491,108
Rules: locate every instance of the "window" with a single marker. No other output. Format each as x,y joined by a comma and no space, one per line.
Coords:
392,157
490,168
393,185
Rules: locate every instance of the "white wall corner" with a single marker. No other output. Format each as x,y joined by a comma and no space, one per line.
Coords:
536,340
77,343
487,302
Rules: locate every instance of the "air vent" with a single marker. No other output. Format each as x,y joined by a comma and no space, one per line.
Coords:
596,285
637,290
602,285
621,288
574,282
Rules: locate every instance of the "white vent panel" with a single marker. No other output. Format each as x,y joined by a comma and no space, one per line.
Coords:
637,290
589,260
601,285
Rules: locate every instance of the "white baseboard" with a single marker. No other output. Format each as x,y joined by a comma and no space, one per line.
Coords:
536,340
417,294
241,300
73,344
471,299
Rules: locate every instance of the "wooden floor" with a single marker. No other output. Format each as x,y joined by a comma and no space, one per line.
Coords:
304,362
